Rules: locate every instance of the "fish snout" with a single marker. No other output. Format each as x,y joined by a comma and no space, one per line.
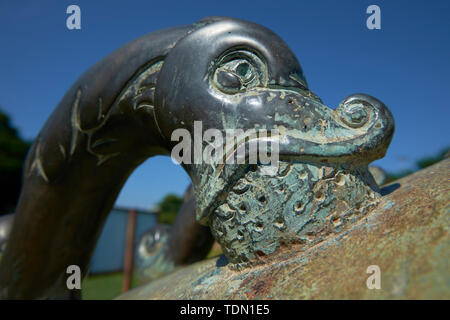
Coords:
362,110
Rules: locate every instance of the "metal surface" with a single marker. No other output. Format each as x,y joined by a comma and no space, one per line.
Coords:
229,74
406,235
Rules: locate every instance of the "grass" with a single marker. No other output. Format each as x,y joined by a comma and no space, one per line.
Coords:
104,286
108,286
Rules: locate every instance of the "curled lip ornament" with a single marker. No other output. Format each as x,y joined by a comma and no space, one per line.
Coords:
354,115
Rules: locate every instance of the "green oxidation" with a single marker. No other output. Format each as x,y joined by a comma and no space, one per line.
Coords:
308,131
302,203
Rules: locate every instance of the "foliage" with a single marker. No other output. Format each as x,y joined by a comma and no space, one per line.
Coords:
13,151
428,161
105,286
421,164
168,208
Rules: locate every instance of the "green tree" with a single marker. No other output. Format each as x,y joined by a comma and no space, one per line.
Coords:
13,151
168,208
421,164
428,161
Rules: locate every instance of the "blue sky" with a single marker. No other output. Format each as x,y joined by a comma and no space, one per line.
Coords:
406,64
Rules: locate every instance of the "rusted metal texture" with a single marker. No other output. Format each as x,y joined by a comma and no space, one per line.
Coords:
406,235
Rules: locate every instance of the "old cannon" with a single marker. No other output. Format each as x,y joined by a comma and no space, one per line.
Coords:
307,227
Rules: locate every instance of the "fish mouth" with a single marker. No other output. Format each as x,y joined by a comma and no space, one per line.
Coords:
358,130
356,133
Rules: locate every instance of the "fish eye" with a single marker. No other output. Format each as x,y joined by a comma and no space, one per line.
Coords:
238,72
228,81
244,70
235,76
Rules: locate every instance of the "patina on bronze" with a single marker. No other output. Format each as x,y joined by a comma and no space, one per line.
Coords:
227,73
